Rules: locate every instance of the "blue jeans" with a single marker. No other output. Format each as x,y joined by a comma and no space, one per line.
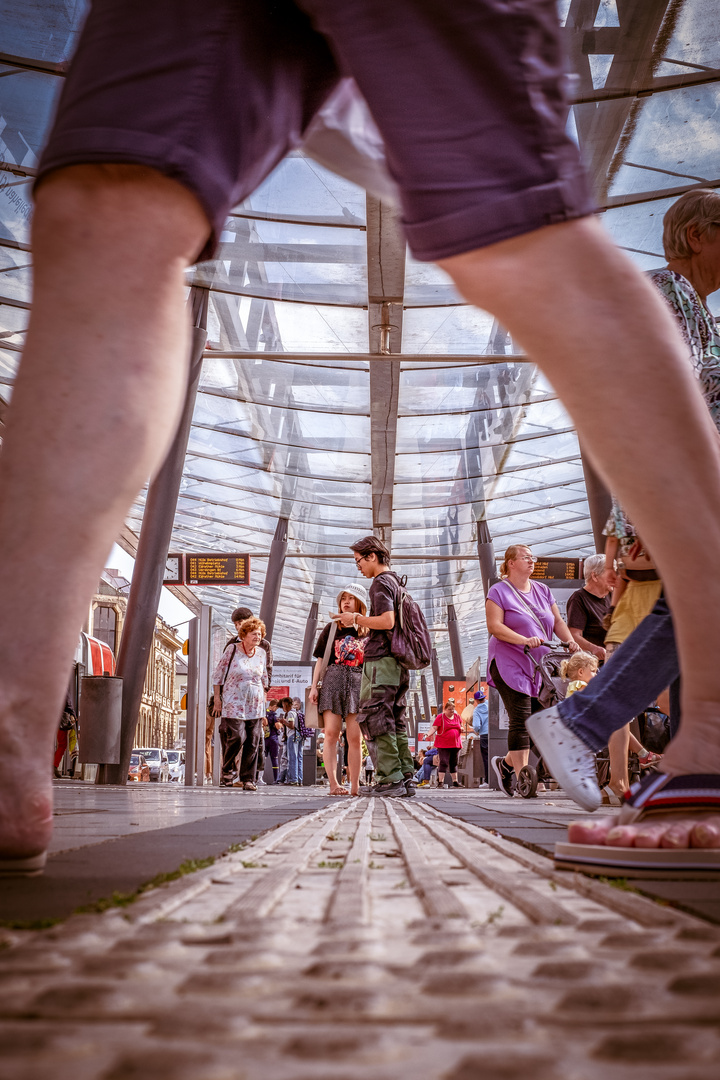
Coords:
295,760
644,665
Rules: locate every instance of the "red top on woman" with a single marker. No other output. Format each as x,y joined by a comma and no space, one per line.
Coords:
448,731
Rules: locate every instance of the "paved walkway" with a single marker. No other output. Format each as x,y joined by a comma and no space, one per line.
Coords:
365,937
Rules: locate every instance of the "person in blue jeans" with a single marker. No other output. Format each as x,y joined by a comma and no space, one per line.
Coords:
295,740
480,726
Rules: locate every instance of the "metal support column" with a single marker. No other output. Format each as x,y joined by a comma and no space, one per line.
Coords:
455,646
310,631
274,576
418,721
435,668
425,697
486,556
193,696
204,624
599,500
155,535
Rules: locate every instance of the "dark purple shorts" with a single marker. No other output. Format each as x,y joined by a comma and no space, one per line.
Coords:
468,94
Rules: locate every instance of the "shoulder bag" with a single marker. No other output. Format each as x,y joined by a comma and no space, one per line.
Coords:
313,719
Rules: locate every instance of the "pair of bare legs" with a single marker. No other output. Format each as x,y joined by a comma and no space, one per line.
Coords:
333,727
102,382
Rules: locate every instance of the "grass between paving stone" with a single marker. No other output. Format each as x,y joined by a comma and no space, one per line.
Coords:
119,899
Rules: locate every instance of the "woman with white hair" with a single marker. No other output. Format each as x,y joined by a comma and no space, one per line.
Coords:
336,689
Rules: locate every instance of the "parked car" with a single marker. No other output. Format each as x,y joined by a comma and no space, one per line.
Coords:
176,761
157,760
139,769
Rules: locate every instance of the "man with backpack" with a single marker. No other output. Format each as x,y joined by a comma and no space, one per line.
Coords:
385,680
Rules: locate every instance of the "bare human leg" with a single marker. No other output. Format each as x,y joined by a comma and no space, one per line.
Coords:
579,308
94,409
354,738
619,747
333,727
518,759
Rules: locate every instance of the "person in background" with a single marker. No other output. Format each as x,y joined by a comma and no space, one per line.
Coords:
238,616
384,681
294,739
338,697
272,739
239,685
520,613
209,734
588,607
579,670
480,726
448,725
369,769
66,728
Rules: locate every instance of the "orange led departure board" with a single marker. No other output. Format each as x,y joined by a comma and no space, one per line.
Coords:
207,568
220,569
556,569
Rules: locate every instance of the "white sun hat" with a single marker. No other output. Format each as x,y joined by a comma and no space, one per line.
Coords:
358,591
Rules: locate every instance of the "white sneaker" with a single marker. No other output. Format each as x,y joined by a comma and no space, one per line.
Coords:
566,757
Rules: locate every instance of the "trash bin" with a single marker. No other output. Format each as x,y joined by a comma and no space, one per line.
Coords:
100,719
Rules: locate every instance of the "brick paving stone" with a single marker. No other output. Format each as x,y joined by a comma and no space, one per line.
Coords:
368,938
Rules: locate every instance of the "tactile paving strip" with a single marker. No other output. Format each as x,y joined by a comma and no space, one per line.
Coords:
373,937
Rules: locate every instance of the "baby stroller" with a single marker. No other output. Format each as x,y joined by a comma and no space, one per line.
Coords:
552,690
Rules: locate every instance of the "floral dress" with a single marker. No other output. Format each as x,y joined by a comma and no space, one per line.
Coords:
243,695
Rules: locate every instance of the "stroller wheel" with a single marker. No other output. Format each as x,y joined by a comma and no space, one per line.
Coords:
527,782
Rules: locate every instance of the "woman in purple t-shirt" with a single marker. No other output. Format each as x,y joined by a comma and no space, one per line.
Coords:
519,612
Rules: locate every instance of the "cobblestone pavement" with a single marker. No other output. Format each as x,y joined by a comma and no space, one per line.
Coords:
370,938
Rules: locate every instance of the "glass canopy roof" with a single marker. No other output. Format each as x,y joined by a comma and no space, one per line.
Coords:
283,426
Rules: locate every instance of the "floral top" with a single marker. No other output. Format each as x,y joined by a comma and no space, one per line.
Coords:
702,336
243,695
620,526
699,329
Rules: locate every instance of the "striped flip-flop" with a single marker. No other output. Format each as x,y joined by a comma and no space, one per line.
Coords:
655,794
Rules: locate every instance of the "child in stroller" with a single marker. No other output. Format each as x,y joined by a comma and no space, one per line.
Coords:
559,676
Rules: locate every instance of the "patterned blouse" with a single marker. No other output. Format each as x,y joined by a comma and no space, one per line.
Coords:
702,335
699,329
243,695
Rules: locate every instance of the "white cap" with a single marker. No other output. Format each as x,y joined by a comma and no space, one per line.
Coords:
358,591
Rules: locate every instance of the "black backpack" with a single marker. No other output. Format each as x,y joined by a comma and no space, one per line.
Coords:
410,638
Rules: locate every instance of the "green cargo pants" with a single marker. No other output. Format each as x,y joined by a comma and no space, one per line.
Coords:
382,717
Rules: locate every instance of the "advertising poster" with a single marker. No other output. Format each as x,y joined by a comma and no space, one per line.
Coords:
290,679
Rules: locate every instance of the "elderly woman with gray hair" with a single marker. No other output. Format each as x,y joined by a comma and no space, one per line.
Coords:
647,662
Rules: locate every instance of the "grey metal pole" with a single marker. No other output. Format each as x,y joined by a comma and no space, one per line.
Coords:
425,697
203,683
418,716
455,646
191,715
486,556
599,500
149,571
274,576
435,668
310,632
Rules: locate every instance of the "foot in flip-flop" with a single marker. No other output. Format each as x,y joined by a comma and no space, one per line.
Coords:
668,824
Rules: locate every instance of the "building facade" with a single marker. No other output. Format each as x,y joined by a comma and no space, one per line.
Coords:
158,724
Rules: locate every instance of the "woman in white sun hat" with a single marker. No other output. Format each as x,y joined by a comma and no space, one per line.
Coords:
336,689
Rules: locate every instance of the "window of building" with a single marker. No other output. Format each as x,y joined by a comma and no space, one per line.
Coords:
105,625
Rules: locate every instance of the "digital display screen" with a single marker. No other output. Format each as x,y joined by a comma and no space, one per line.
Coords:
217,569
556,569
